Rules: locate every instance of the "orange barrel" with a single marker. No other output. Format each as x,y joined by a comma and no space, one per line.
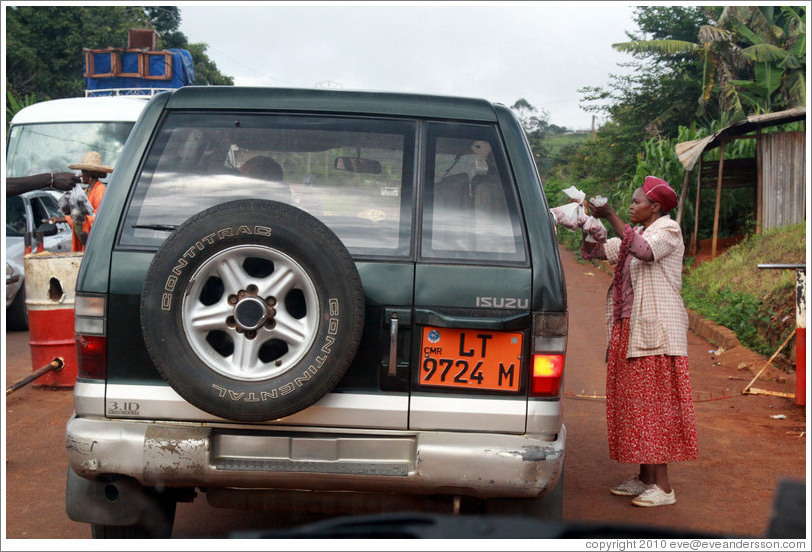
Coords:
50,291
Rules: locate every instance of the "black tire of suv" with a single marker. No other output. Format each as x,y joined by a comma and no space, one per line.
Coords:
159,526
274,233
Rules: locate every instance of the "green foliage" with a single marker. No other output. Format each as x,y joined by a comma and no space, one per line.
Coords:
757,304
733,310
14,104
44,44
536,127
556,142
661,93
750,58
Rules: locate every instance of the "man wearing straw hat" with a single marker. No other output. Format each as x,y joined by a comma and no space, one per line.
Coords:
92,172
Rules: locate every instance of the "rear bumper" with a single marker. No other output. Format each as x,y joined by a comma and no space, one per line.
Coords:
176,454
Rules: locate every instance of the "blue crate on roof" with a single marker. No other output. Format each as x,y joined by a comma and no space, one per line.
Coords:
113,70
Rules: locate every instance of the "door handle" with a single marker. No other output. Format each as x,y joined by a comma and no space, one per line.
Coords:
393,344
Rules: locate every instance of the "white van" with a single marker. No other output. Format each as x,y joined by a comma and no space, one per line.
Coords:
49,136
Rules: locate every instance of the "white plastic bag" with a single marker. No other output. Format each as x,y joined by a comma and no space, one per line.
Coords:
595,230
574,193
74,202
570,215
598,201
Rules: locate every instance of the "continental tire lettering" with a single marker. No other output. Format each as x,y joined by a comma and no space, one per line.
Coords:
306,375
333,307
200,245
252,397
288,388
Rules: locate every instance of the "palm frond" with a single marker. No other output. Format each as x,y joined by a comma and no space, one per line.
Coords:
762,21
708,76
764,53
710,34
796,88
791,62
656,47
729,98
729,13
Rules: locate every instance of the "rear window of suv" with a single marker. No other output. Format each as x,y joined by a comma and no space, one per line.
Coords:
356,175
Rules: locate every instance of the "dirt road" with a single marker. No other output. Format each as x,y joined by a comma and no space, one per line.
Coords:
746,446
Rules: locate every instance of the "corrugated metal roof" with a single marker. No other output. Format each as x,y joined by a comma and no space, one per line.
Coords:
690,152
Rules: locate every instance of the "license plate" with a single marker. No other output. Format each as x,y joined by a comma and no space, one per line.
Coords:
470,359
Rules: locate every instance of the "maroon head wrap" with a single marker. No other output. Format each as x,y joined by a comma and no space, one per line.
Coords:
658,191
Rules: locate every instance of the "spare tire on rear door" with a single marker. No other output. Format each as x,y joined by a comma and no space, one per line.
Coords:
252,310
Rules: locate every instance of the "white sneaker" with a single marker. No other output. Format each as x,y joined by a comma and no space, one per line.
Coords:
632,487
654,496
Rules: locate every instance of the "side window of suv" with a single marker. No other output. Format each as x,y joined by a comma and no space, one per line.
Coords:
355,175
470,210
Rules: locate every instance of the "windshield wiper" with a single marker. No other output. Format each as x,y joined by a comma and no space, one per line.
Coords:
161,227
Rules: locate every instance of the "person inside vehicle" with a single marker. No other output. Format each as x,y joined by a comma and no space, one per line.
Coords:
484,154
62,181
650,414
264,167
92,172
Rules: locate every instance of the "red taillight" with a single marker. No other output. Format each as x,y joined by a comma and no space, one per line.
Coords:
547,372
91,356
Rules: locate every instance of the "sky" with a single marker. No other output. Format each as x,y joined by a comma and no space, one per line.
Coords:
542,52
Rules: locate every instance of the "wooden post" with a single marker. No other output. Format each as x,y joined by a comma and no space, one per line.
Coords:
695,236
759,181
682,194
718,199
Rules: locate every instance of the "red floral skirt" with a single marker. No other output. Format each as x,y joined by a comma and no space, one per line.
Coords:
650,414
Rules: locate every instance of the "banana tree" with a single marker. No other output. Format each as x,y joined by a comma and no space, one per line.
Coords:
777,37
752,58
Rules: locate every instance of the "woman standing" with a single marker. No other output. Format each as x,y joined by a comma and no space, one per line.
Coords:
649,408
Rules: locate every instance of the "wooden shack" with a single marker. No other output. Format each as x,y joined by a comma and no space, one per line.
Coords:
778,172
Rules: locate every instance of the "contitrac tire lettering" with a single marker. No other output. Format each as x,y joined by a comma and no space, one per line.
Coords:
200,245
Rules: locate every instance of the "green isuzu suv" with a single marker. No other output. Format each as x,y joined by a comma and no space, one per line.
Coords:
288,291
